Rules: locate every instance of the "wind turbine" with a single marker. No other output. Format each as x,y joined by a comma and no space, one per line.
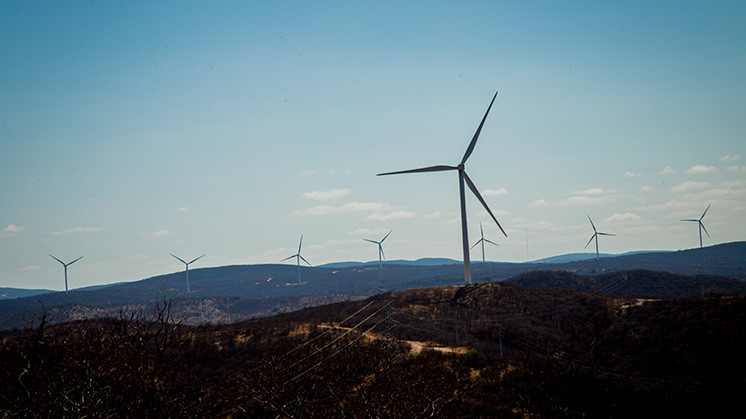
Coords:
187,267
595,236
299,257
66,265
462,178
701,226
483,240
380,250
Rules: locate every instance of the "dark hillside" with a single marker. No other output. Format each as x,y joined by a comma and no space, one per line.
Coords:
638,283
231,293
484,350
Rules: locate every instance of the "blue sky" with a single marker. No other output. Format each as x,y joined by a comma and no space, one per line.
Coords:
133,130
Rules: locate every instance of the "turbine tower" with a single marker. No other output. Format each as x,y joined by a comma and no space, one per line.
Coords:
187,267
463,178
66,265
298,257
483,240
380,250
701,226
595,236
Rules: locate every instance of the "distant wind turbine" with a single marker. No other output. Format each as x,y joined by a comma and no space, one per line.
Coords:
66,265
298,257
187,267
701,226
595,236
463,178
483,241
380,250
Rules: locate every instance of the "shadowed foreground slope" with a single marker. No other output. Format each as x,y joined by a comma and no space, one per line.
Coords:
512,352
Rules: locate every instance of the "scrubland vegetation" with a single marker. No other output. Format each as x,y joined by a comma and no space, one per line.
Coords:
513,352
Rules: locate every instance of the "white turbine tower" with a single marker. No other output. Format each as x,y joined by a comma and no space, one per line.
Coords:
187,267
66,265
595,236
299,257
701,226
463,178
380,250
483,241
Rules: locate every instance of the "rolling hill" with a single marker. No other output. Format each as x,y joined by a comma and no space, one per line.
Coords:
228,293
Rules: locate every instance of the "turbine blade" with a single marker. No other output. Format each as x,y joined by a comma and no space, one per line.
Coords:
289,257
689,219
481,230
479,197
300,244
384,237
304,260
703,214
606,234
371,241
57,259
589,241
380,249
82,258
491,242
440,168
475,244
473,142
197,259
703,228
594,227
182,260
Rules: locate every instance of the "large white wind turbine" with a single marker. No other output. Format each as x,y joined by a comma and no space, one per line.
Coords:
701,226
483,241
187,267
380,250
463,178
595,236
299,257
66,265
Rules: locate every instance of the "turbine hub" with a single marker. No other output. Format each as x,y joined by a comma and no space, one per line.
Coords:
461,167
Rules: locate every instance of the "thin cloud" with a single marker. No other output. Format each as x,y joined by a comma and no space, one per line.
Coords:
349,207
436,214
75,230
160,233
736,169
647,188
11,230
689,185
701,169
494,192
30,268
183,209
363,231
591,191
324,195
632,174
730,157
668,170
393,215
538,203
625,217
582,200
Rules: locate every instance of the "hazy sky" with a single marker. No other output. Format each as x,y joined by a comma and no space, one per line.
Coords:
231,128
